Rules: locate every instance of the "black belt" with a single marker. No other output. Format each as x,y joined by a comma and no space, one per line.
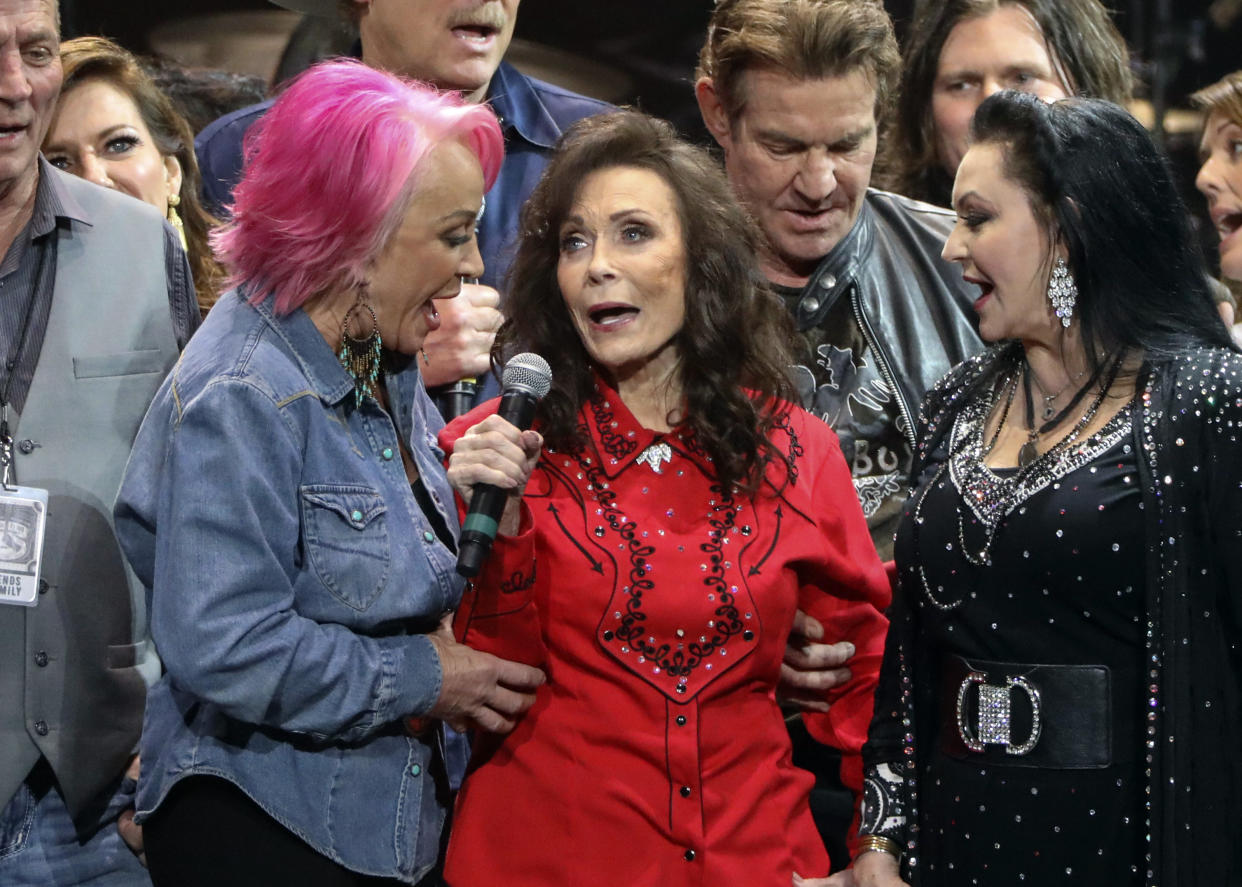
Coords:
1016,715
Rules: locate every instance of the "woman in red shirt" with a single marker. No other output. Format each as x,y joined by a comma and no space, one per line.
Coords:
680,512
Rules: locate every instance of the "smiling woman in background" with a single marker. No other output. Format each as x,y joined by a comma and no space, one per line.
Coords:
115,128
962,51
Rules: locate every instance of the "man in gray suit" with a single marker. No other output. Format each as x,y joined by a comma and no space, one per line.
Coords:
95,301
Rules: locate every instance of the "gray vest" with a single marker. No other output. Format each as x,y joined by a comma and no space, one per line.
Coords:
74,669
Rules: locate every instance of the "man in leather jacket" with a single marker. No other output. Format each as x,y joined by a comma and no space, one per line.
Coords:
794,93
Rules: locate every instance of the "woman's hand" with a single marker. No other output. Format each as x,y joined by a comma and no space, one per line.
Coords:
478,690
877,869
494,452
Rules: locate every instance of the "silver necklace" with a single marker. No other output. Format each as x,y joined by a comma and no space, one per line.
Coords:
1012,384
1001,497
1049,399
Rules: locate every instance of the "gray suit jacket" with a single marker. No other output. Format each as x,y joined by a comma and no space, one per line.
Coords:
74,668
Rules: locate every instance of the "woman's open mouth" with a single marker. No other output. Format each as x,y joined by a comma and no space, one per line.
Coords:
612,314
985,291
1227,224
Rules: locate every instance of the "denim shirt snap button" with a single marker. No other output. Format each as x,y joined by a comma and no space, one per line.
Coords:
427,535
355,515
386,454
416,770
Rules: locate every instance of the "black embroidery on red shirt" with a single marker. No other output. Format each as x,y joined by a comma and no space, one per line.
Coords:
676,663
596,565
776,535
796,450
616,445
694,448
518,581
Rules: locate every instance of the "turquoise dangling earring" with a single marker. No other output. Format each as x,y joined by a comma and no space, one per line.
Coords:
360,354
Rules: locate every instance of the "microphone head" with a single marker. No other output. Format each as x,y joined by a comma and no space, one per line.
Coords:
529,372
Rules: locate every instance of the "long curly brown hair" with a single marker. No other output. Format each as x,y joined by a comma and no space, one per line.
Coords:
733,348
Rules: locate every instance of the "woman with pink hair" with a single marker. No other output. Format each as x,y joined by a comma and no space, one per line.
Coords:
286,507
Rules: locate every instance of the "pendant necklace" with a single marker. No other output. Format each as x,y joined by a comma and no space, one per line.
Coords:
1028,455
1029,451
1049,399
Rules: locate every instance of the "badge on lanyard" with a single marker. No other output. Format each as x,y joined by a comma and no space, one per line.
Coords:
23,518
23,510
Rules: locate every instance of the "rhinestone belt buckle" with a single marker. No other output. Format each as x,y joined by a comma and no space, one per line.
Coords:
992,713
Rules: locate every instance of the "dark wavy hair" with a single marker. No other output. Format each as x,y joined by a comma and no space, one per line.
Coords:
733,347
1085,48
1102,188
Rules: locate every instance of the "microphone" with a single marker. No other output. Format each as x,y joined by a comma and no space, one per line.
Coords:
525,380
458,398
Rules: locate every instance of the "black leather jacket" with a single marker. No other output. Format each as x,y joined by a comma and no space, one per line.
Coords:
914,308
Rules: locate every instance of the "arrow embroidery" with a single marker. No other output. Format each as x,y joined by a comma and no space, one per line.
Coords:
754,571
556,515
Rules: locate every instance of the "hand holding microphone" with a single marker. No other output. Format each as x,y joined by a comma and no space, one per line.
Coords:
493,460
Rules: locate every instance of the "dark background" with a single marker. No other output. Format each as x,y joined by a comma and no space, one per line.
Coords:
1177,46
656,41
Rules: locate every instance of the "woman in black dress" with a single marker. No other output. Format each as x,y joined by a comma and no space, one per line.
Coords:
1060,694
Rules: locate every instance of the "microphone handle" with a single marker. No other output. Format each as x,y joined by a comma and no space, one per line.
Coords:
458,398
487,503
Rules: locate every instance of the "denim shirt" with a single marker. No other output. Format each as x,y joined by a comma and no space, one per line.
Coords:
291,579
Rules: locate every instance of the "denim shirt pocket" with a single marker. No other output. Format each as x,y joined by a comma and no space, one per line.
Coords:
346,532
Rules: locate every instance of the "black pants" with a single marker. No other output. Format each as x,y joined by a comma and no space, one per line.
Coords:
832,804
208,833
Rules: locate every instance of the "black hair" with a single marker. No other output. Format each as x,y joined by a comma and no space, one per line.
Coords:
1104,191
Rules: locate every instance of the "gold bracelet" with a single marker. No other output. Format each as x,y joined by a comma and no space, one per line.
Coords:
880,844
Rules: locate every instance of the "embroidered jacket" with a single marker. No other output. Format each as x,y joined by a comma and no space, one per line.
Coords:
1185,435
660,607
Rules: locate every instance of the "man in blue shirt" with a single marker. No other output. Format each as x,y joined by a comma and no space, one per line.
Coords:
453,44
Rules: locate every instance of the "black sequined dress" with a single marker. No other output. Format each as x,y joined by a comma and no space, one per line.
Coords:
1059,583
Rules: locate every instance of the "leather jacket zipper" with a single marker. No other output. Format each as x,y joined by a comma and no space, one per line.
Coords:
881,361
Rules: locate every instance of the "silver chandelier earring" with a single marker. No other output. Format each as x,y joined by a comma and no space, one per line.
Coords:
1062,292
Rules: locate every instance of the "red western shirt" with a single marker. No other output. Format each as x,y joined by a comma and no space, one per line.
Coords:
659,608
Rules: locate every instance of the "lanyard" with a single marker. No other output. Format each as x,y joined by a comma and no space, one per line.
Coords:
6,438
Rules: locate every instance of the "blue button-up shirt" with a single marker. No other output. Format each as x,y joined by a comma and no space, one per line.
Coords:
533,114
292,578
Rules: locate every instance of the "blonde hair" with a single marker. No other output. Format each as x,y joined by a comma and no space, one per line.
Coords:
1224,97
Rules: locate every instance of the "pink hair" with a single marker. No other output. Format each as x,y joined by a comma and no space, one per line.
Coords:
329,173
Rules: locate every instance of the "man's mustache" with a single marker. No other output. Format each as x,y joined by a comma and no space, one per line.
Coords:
486,15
